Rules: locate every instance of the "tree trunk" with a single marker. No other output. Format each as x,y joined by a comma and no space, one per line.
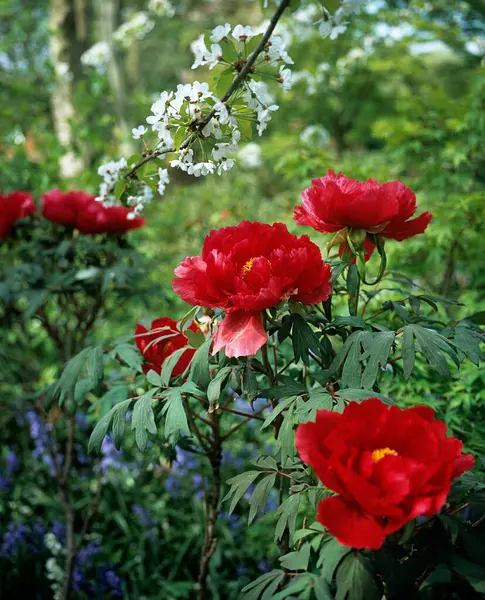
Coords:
70,164
107,11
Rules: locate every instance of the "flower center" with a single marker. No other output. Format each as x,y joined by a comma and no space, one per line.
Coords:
249,264
379,454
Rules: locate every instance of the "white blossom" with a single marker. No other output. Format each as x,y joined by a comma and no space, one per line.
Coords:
285,78
338,29
97,56
202,168
161,7
136,28
242,34
163,180
221,113
220,32
186,158
250,156
203,56
111,173
277,50
225,165
139,132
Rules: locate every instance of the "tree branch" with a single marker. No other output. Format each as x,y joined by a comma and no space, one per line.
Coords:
235,85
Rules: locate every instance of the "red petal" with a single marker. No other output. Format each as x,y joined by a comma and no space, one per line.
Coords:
241,333
463,463
402,231
350,526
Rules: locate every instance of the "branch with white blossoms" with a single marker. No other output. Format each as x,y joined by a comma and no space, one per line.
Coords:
201,128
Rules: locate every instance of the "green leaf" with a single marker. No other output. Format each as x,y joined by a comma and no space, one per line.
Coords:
175,417
279,408
440,575
96,368
119,189
215,386
286,437
287,513
296,561
239,485
143,419
224,80
130,356
304,339
407,351
301,583
196,338
473,573
268,581
478,318
154,378
102,426
353,286
169,365
250,383
199,366
306,410
260,495
378,348
433,345
119,422
355,579
71,373
331,554
321,589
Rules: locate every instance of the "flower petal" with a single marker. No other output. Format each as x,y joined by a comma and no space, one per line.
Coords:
241,333
350,526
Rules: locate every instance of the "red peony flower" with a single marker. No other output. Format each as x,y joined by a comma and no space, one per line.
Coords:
249,268
156,353
386,464
335,202
13,207
83,212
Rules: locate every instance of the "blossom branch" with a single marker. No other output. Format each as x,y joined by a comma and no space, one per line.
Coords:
235,85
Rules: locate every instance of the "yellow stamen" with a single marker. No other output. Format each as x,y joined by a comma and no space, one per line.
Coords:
247,267
379,454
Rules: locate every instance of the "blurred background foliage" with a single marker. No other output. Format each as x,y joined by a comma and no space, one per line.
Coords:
399,95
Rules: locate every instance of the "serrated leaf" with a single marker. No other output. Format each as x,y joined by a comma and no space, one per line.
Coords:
199,366
102,427
286,437
215,386
378,348
67,383
304,339
95,368
319,399
143,419
130,356
296,561
407,351
287,513
175,417
169,365
268,581
278,409
239,485
259,497
355,579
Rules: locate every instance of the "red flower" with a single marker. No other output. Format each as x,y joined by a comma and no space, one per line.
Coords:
13,207
335,202
83,212
249,268
386,464
156,353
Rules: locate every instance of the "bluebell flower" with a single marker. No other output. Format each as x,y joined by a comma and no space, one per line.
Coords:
59,530
144,516
20,536
12,462
241,570
264,566
111,457
6,484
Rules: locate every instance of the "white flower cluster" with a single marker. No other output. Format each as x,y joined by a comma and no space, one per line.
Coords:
139,201
111,172
54,571
259,99
161,7
97,56
336,24
136,28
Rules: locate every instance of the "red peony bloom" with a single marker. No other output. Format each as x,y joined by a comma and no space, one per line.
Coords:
83,212
335,202
249,268
386,464
156,353
13,207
